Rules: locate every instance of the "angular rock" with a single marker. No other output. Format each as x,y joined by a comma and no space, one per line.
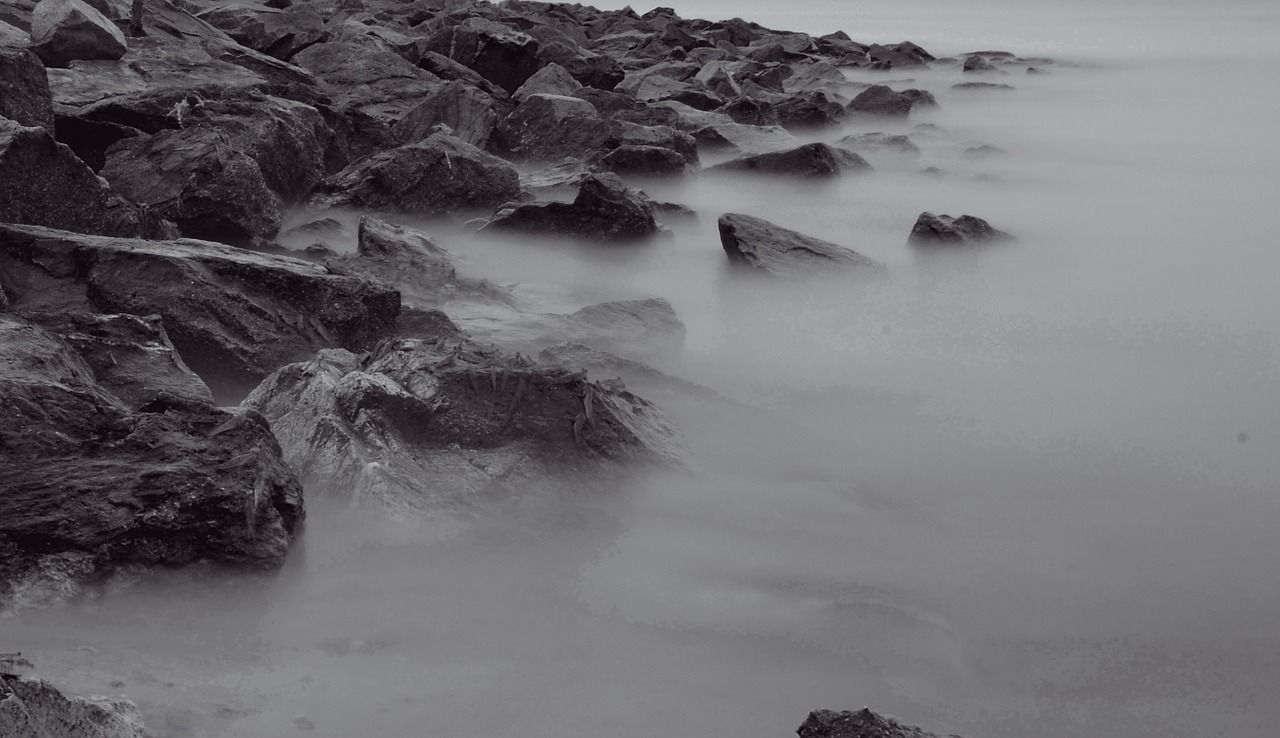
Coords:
860,724
643,160
280,33
761,245
63,31
937,230
552,79
750,111
804,111
898,56
470,113
34,708
920,98
450,427
879,100
379,83
550,127
174,483
501,54
809,161
604,210
24,89
438,175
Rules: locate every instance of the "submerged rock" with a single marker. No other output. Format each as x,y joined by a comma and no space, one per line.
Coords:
858,724
761,245
33,708
809,161
604,210
930,230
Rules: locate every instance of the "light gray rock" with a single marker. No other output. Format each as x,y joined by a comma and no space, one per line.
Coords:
63,31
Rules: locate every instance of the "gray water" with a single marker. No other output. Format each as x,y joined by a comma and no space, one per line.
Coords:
1029,490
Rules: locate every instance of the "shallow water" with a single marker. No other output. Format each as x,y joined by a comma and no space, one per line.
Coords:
1027,490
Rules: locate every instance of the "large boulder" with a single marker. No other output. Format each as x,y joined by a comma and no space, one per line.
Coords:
469,112
815,160
936,230
604,210
24,89
281,33
879,100
33,708
63,31
501,54
858,724
450,427
643,160
438,175
89,488
233,315
756,243
552,79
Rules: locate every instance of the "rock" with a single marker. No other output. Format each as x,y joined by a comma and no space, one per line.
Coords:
448,69
879,100
604,210
34,708
1035,70
450,427
860,724
883,141
761,245
377,83
199,179
470,113
549,127
905,54
984,151
499,53
750,112
808,110
981,87
975,63
552,79
13,37
173,483
63,31
643,160
920,98
233,315
42,182
24,89
931,230
640,329
667,390
280,33
808,161
815,75
438,175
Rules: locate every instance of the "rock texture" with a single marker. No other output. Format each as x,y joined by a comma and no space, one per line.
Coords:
756,243
859,724
24,89
604,210
931,229
63,31
33,708
816,160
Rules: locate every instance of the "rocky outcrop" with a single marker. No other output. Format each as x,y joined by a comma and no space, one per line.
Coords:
814,160
175,482
24,89
63,31
604,210
936,230
858,724
438,175
233,315
451,428
756,243
31,707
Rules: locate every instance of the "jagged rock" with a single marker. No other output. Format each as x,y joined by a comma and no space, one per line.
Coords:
604,210
810,160
175,482
63,31
876,140
898,56
438,175
42,182
234,315
449,427
280,33
470,113
815,75
808,110
199,179
933,230
379,83
448,69
552,79
13,37
33,708
643,160
501,54
860,724
879,100
24,89
550,128
750,111
761,245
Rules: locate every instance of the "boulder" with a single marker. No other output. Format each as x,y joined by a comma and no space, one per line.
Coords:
33,708
898,56
173,483
938,230
761,245
879,141
470,113
552,79
499,53
981,87
379,83
438,175
24,89
976,63
879,100
233,315
808,161
201,180
450,427
808,110
280,33
634,159
548,128
63,31
858,724
288,140
920,98
604,210
750,111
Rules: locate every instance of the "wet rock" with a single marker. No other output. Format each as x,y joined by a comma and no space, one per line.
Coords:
604,210
63,31
233,315
552,79
551,127
667,390
898,56
809,110
379,83
199,179
438,175
24,89
931,230
470,113
860,724
280,33
34,708
920,98
451,427
815,75
879,100
173,483
761,245
750,111
814,160
499,53
643,160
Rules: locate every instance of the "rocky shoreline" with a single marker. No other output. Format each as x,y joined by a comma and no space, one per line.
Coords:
152,153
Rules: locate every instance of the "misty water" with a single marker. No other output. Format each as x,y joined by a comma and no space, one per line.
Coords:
1026,490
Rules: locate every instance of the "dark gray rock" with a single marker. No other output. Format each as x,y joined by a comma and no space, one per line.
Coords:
761,245
931,230
499,53
63,31
815,160
604,210
280,33
981,87
879,100
552,79
379,83
808,110
643,160
34,708
898,56
24,89
860,724
976,63
469,112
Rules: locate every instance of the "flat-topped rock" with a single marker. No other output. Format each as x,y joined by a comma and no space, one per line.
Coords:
757,244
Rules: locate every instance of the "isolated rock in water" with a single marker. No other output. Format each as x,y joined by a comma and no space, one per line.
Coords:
810,161
879,100
604,210
933,229
234,315
438,175
469,112
63,31
501,54
897,143
920,98
175,482
24,89
759,244
33,708
977,63
552,79
198,179
449,427
981,87
860,724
